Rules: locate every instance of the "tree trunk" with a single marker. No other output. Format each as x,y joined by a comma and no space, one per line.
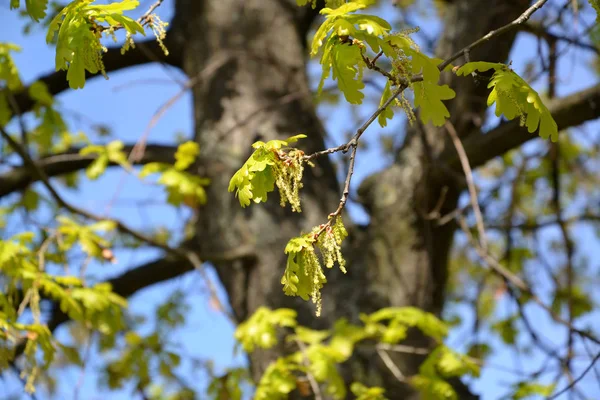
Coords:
259,91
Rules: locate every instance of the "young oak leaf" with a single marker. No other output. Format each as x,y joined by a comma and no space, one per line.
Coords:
480,66
363,392
429,96
112,152
370,29
78,47
181,187
388,112
276,143
515,98
335,19
426,65
36,9
347,65
343,58
277,381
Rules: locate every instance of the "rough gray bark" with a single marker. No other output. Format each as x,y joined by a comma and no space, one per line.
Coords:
401,258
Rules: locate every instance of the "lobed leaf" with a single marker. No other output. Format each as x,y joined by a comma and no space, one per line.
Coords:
428,97
515,98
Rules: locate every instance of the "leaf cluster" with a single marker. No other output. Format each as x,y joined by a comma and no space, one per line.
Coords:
515,98
304,274
272,163
109,153
321,352
25,283
35,8
344,37
91,243
9,79
229,385
51,135
182,187
78,47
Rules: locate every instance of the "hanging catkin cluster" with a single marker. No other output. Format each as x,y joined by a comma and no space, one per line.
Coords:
304,274
288,177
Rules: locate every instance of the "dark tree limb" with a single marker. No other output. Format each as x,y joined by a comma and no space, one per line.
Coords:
145,52
71,161
568,112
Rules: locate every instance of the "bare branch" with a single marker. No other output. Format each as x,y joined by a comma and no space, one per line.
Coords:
532,226
576,380
540,31
519,21
389,363
519,283
19,178
470,183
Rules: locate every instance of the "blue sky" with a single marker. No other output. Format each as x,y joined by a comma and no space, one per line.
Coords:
126,103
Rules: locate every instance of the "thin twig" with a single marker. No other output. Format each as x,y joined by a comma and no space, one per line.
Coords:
576,380
352,144
84,361
519,21
316,389
372,64
554,155
14,105
540,31
389,363
402,348
464,161
519,283
423,351
145,19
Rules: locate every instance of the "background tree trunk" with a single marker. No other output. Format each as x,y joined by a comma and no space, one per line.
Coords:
259,91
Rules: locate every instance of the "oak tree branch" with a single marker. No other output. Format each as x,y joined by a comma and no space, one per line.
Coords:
70,161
